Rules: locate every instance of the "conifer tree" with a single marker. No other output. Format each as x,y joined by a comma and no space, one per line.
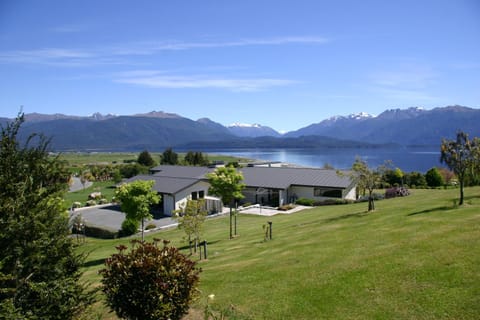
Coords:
39,269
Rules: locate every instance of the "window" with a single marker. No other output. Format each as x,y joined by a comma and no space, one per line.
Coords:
201,194
326,192
194,195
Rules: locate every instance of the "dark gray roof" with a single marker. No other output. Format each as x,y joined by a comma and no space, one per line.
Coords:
181,171
282,178
171,179
169,185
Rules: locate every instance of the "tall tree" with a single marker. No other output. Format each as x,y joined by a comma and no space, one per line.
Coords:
368,179
39,269
136,198
461,156
169,157
226,182
145,159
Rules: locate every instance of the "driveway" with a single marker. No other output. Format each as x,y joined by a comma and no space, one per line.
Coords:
77,184
110,217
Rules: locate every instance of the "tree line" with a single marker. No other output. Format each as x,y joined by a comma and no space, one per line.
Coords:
461,156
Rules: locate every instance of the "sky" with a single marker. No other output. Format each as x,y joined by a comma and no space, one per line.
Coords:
284,64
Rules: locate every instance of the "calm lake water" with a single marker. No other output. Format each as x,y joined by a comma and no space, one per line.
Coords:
407,159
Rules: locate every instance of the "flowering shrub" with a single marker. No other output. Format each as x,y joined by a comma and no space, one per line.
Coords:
149,282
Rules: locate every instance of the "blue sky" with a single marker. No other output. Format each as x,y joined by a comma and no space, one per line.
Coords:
284,64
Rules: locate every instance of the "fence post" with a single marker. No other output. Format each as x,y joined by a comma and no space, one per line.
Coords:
205,249
270,226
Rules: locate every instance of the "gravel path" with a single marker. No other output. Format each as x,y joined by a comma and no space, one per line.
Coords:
77,184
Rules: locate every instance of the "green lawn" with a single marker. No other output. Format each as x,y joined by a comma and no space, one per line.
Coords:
107,188
414,258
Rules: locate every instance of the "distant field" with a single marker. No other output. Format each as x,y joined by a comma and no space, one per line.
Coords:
414,258
83,158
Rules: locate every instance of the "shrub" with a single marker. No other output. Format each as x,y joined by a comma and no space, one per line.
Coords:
396,192
102,201
150,226
99,232
305,202
129,227
90,203
286,207
149,282
76,204
376,196
328,202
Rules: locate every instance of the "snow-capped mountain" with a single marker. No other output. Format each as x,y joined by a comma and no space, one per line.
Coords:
403,126
252,130
401,114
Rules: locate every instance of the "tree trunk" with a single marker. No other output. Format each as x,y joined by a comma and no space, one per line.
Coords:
371,203
231,235
461,193
235,219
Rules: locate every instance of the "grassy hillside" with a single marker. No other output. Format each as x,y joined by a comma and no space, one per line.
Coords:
414,258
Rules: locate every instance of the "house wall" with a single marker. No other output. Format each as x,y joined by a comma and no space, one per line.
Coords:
168,204
182,196
351,195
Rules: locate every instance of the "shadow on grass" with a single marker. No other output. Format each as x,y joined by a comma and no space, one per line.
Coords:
442,208
94,263
347,216
334,219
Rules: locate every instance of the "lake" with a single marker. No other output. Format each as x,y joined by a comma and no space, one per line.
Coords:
407,159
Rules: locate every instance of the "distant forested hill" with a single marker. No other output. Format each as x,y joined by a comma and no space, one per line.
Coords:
158,130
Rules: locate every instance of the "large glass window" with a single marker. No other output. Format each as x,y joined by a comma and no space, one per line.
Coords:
327,192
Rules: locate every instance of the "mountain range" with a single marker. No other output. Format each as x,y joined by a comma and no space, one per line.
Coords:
157,130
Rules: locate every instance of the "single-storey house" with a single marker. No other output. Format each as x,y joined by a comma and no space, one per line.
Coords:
273,186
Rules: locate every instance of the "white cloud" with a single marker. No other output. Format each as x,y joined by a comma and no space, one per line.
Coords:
409,76
115,54
158,79
407,82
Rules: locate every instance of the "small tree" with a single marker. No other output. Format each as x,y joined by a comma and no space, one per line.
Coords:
225,182
149,282
368,179
191,218
461,156
434,178
393,177
136,198
169,157
190,158
145,159
415,178
85,177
